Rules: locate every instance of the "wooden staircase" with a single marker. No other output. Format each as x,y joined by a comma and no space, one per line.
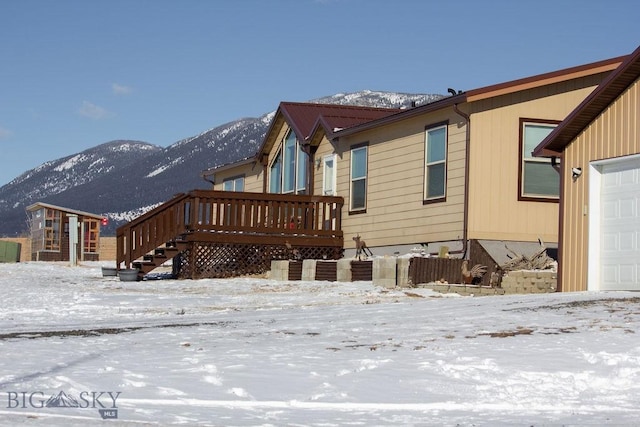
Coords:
160,256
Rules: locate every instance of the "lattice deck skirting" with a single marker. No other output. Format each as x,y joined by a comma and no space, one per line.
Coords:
218,260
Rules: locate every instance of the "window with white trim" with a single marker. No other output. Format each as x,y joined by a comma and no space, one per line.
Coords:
329,175
435,168
233,184
538,178
358,183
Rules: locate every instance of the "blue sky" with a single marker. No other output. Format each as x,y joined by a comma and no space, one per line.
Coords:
76,73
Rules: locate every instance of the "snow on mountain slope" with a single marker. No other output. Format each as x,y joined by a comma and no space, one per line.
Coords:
118,178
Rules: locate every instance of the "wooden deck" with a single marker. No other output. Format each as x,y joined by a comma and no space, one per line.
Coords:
221,233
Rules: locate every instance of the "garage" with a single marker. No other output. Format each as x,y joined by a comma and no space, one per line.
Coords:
599,147
615,224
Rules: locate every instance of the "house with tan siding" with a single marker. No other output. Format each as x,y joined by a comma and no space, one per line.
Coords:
437,175
598,145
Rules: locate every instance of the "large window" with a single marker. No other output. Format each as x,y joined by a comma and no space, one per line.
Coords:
288,171
233,184
358,185
275,174
435,173
538,178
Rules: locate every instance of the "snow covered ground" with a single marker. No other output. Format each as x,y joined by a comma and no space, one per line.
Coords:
259,352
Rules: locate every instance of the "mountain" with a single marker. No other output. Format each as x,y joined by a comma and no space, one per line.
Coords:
123,179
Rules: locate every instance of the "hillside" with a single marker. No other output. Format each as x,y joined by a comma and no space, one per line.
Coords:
122,179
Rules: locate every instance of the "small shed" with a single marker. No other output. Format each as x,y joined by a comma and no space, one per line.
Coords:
49,227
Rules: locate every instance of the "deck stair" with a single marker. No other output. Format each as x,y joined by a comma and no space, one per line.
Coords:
159,257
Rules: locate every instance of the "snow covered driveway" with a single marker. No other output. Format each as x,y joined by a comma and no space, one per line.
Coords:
260,352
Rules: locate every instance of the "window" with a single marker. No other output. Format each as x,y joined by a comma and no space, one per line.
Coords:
52,231
358,191
538,178
289,175
275,175
329,175
301,180
91,235
435,172
233,184
288,171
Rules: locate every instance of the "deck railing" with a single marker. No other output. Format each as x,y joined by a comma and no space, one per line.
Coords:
213,214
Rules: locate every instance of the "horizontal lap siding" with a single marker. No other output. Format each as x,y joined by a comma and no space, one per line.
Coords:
252,177
395,213
614,133
494,209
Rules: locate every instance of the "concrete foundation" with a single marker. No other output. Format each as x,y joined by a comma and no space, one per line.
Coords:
392,272
309,269
344,270
384,272
279,270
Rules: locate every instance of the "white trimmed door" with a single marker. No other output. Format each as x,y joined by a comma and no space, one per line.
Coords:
620,225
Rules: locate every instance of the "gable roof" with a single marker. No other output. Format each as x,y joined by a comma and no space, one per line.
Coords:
305,119
39,205
592,106
308,120
493,91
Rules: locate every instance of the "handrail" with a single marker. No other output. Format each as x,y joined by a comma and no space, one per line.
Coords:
208,211
176,199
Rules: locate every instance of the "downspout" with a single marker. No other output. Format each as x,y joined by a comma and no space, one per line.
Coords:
560,284
465,225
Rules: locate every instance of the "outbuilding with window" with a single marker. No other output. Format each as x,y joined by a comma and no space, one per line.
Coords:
52,237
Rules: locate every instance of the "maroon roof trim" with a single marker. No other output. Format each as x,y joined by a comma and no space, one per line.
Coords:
480,93
585,68
404,114
592,106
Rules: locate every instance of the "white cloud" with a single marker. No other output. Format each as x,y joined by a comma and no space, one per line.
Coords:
93,111
119,89
5,133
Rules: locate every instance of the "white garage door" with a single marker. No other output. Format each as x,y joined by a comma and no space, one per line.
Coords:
620,226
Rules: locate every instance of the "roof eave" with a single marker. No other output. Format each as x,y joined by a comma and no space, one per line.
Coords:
227,166
592,106
402,115
38,205
545,79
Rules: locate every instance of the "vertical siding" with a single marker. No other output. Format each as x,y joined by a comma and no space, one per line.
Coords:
395,212
614,133
494,209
